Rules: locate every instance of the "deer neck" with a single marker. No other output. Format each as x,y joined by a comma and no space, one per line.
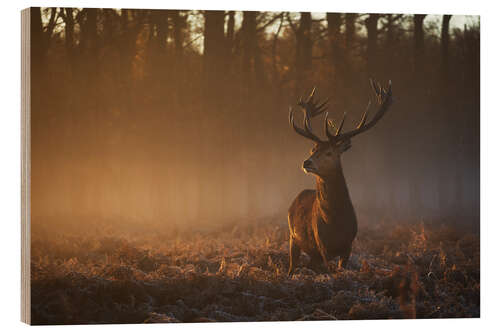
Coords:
332,196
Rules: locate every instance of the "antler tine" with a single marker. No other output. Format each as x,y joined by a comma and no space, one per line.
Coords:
384,99
323,106
365,115
375,86
328,122
311,107
306,132
311,96
307,121
326,125
339,130
332,123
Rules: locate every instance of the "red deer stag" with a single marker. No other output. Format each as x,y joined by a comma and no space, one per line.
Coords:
322,222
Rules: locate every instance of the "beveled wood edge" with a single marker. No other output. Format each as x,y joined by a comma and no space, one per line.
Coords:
25,167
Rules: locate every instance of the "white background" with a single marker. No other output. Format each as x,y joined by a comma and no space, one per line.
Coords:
10,162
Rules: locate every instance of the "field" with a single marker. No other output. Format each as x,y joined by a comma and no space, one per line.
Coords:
239,273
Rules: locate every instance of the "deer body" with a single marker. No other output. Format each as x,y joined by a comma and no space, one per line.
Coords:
322,222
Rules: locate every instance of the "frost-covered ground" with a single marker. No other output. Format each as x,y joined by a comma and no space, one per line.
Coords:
240,274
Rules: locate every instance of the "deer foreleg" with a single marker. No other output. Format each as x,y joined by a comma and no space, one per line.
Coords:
344,258
294,255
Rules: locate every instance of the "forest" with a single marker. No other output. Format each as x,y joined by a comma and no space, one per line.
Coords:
180,117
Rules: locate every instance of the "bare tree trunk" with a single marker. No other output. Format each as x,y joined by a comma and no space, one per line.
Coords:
108,31
276,77
334,21
213,53
89,43
390,30
249,45
87,70
445,41
41,36
88,57
69,29
372,48
418,40
37,42
130,28
249,72
214,81
349,41
89,30
303,53
350,30
304,42
305,33
178,24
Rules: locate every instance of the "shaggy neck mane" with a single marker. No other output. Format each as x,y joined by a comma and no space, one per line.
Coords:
332,195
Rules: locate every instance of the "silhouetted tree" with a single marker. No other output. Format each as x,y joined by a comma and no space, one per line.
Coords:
391,27
334,22
304,42
418,39
88,24
445,41
41,35
249,48
303,48
390,30
130,27
350,30
276,73
372,48
37,36
230,33
213,52
69,32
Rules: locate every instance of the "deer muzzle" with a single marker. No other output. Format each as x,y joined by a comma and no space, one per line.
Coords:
308,166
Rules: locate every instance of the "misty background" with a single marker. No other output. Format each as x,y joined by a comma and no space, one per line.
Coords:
180,118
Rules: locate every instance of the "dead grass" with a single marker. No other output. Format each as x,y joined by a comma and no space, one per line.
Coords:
239,274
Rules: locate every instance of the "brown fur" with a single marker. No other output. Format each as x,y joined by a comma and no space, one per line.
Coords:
322,222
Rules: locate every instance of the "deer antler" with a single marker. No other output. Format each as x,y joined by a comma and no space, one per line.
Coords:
384,100
306,132
311,109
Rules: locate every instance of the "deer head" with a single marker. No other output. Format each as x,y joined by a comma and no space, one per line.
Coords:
324,159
